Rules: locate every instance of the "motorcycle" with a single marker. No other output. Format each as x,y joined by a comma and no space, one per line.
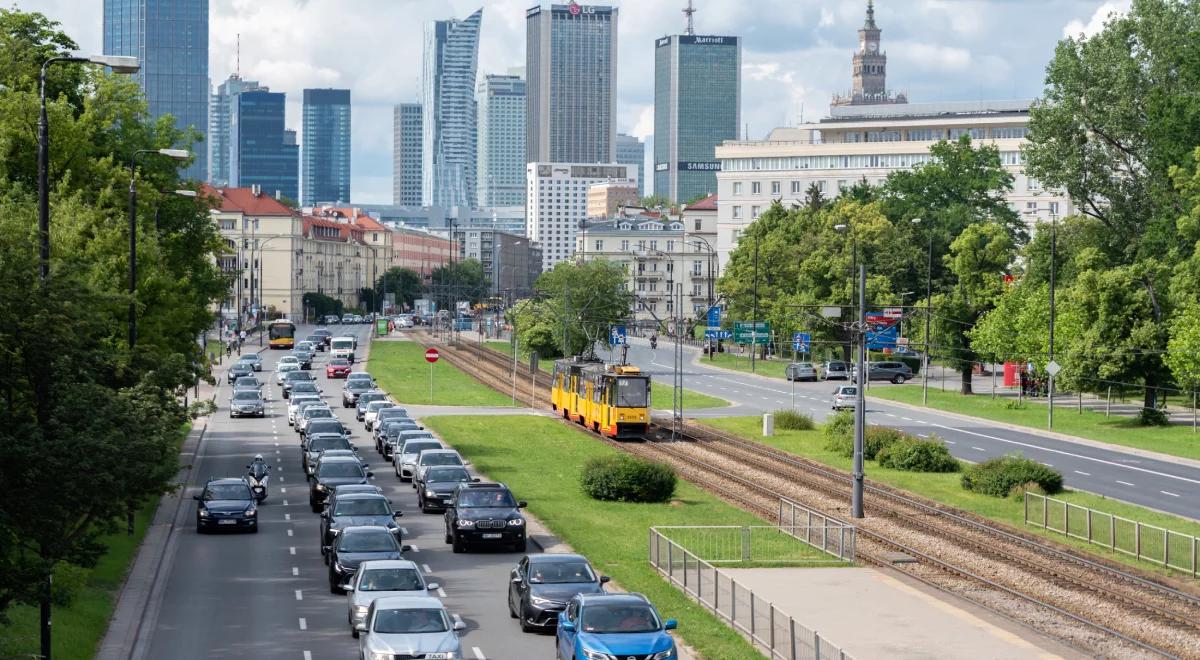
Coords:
259,473
654,342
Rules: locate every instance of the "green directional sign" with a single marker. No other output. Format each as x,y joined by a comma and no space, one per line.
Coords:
752,333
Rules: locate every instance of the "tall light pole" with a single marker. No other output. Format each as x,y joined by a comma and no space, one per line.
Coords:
1049,370
928,314
860,403
754,315
697,241
256,246
177,154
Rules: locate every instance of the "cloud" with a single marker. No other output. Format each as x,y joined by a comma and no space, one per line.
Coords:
1077,28
932,57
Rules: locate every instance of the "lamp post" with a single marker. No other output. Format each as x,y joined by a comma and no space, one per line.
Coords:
118,64
860,416
928,314
177,154
697,241
258,300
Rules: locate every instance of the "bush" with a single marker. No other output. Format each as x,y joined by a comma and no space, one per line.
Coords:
1153,417
917,455
627,479
793,421
999,476
839,437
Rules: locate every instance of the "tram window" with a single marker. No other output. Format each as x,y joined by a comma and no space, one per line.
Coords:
631,393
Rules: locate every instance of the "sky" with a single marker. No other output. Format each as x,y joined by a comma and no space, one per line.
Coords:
795,53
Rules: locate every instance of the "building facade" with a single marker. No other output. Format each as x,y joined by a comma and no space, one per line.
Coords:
262,151
222,106
697,106
571,67
420,251
326,147
603,199
448,103
869,69
407,138
501,147
632,151
556,202
170,40
511,262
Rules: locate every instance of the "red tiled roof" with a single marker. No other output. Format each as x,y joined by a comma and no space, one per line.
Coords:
245,201
707,204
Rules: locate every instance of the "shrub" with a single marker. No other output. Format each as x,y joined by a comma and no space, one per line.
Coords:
1153,417
1015,405
999,476
839,437
917,455
627,479
793,421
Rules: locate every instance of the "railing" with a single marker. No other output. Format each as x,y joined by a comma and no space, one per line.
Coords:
768,629
817,529
1145,542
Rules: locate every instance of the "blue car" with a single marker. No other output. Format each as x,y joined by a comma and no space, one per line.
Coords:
613,627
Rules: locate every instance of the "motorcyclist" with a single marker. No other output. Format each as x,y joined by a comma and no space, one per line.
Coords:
258,471
654,340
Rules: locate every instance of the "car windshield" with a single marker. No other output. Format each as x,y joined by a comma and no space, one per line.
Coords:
369,507
561,572
249,357
391,579
441,475
486,498
803,365
415,448
289,366
340,469
339,362
245,395
440,459
360,375
410,621
360,385
376,406
227,492
368,398
343,343
632,392
327,442
381,541
600,619
250,381
847,391
325,426
304,386
313,412
297,375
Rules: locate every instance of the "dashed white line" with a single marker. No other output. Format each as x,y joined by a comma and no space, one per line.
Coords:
404,531
889,414
285,503
308,655
413,547
1124,483
283,490
290,532
287,516
977,448
291,550
1086,474
907,419
1046,464
426,568
1167,492
441,592
478,654
303,624
299,595
295,571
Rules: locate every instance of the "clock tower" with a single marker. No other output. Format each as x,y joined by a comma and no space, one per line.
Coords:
870,68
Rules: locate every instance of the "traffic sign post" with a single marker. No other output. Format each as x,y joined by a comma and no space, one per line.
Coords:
431,356
801,342
617,335
752,333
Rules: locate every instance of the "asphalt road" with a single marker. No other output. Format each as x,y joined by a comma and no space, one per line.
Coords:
1160,484
266,595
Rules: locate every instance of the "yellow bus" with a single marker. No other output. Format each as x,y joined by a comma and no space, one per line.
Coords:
281,333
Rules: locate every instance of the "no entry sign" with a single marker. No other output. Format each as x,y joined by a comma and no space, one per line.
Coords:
432,355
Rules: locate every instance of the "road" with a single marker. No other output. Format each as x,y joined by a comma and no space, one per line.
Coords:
266,595
1160,484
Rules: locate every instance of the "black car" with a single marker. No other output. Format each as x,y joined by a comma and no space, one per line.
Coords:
355,510
540,586
351,489
324,426
356,545
317,443
226,504
305,358
240,369
318,341
293,377
333,472
389,434
437,486
353,390
484,514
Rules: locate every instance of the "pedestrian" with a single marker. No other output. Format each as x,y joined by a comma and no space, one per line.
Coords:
241,339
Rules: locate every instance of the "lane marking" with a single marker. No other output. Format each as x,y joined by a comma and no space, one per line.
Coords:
295,571
404,531
1046,464
441,592
413,547
1086,474
308,655
283,490
285,503
291,550
977,448
426,568
287,516
299,595
907,419
478,654
303,624
1124,483
289,532
1167,492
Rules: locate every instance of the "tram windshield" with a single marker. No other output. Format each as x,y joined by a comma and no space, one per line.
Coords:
632,392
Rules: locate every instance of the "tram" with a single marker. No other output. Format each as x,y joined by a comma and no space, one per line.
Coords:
610,399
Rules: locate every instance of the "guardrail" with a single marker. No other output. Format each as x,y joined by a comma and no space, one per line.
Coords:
1145,542
831,535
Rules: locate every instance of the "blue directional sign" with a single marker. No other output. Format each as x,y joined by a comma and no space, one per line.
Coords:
801,341
717,334
616,335
714,317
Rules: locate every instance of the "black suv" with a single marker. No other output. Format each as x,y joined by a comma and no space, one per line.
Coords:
355,509
226,504
484,514
356,545
437,486
331,473
239,369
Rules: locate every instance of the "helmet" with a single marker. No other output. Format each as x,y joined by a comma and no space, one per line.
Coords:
258,457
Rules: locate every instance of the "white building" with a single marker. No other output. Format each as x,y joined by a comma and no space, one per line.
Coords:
556,196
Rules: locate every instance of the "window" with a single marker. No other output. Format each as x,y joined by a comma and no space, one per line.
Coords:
975,133
737,187
699,224
599,246
925,135
229,224
1031,207
1053,208
1033,184
670,306
735,235
821,185
696,290
653,245
737,212
642,245
1009,133
756,188
670,246
883,136
697,267
775,187
755,211
842,185
670,266
624,246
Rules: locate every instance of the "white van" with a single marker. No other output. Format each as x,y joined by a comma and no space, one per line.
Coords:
342,347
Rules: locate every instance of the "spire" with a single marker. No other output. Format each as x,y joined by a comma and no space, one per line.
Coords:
870,24
237,71
688,11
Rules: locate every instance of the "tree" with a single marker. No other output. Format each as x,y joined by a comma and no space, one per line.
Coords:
402,283
461,281
536,326
655,201
582,301
322,305
814,200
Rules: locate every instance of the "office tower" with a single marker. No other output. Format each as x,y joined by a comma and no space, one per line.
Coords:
170,40
220,114
406,154
869,67
501,146
326,147
697,106
262,152
632,151
571,68
556,201
448,102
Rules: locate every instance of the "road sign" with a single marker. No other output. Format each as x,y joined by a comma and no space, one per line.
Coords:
893,312
717,334
752,333
714,317
800,341
616,335
432,355
1053,368
882,332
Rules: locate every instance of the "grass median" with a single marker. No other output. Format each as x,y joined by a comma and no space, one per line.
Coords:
772,368
400,369
1175,440
541,459
947,488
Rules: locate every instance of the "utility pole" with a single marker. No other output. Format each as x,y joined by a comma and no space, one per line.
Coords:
754,316
860,403
1053,261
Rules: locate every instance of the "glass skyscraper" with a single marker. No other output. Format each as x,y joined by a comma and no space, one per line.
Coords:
170,40
571,67
220,114
501,169
697,105
632,151
325,149
262,151
448,101
406,154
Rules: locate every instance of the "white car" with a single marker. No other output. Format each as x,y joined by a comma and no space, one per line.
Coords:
382,578
295,402
283,369
407,626
313,412
845,396
373,409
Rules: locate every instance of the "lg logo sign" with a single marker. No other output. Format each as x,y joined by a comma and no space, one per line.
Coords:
576,9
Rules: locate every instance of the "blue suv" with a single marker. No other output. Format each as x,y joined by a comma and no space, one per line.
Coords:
613,627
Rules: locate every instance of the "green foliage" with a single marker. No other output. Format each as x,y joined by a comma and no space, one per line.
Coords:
999,476
838,428
918,455
793,421
461,281
322,305
581,302
537,329
813,199
624,478
402,283
839,436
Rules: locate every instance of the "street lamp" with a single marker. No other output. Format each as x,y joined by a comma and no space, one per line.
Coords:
677,374
118,64
258,300
928,314
697,241
860,410
177,154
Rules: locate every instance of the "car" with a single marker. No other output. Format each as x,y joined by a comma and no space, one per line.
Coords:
404,321
896,372
395,445
310,413
364,398
342,347
540,585
238,370
384,415
332,319
291,378
306,345
349,318
373,409
409,627
304,357
226,504
613,626
835,370
356,510
300,387
332,472
430,457
287,359
387,434
800,371
845,396
437,486
318,341
247,402
283,370
354,389
382,578
404,459
355,545
253,359
361,375
350,489
338,368
323,427
247,383
484,514
317,444
295,402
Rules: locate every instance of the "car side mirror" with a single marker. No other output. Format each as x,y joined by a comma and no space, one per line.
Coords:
370,474
459,625
516,579
406,548
196,497
475,480
347,587
604,579
521,504
671,624
433,586
325,549
398,514
568,626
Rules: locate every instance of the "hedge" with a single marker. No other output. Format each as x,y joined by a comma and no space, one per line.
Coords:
627,479
1000,476
917,455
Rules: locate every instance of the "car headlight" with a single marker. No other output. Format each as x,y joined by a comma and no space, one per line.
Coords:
516,522
360,610
321,488
204,513
596,655
251,512
465,523
430,493
543,602
669,654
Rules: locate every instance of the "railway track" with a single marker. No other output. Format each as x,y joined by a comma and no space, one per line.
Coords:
1101,608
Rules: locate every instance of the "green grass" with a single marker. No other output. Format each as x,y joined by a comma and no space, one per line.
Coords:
401,370
772,368
947,488
660,397
540,459
1175,440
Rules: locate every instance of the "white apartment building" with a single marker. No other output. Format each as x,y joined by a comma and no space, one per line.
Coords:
556,198
868,141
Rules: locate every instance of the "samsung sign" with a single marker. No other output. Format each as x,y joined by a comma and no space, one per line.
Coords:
699,166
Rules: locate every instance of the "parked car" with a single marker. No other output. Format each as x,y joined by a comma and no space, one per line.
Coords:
845,396
357,510
253,359
540,586
835,370
247,402
897,372
383,578
800,371
437,487
226,504
484,514
409,627
332,472
337,368
239,369
596,625
356,545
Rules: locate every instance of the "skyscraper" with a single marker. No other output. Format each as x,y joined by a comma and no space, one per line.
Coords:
448,102
262,152
406,154
869,86
632,151
220,114
326,146
571,66
170,40
501,146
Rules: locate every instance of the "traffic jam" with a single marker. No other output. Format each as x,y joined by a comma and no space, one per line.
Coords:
384,516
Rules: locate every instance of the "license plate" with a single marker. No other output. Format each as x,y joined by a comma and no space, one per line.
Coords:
491,536
226,522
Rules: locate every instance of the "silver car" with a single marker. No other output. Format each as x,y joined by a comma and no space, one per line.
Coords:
431,457
408,626
294,405
800,371
382,578
405,463
282,370
373,409
845,396
247,402
316,411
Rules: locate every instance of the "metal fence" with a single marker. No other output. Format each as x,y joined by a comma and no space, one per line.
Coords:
831,535
1145,542
768,629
